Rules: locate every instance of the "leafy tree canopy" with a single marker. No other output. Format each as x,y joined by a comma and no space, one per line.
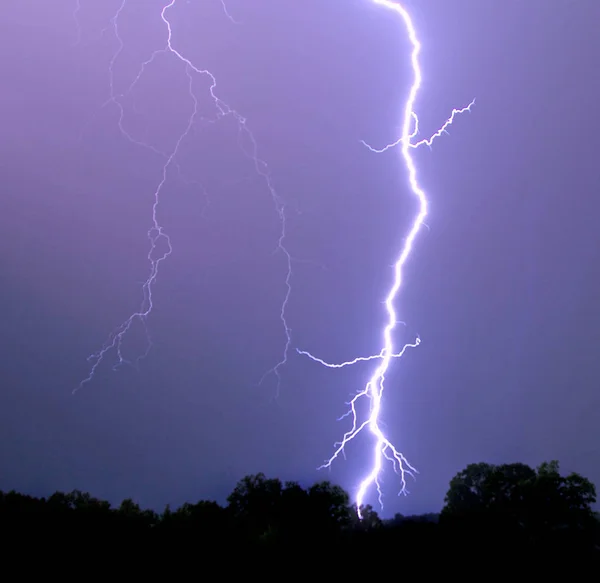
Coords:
518,496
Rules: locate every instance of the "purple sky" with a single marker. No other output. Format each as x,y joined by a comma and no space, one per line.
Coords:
502,288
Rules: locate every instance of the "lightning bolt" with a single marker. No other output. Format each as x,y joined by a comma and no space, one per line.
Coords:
160,247
383,449
157,236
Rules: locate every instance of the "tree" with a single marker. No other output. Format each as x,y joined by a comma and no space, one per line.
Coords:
484,489
562,502
255,505
330,505
266,510
133,517
534,505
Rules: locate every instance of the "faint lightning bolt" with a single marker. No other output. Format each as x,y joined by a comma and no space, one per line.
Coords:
227,13
156,233
76,19
383,448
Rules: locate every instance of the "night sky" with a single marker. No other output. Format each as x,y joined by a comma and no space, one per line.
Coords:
502,287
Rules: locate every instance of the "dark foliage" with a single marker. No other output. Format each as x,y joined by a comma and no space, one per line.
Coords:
495,518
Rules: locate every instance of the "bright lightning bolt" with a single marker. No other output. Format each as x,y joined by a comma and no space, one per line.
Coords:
383,448
156,234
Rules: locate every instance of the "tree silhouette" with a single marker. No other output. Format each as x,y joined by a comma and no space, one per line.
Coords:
255,506
518,504
502,515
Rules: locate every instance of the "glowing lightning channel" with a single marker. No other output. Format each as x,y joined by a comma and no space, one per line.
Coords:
373,390
156,233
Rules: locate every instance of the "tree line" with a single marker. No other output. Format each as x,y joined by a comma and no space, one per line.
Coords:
508,514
